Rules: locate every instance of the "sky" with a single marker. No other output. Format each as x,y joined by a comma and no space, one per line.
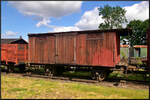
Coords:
19,18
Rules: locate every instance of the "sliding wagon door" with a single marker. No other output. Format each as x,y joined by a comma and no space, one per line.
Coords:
100,49
45,49
39,49
65,48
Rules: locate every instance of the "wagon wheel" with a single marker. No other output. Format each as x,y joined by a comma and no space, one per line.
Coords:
101,76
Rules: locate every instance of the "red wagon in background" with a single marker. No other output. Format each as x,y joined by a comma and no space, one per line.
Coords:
14,52
97,49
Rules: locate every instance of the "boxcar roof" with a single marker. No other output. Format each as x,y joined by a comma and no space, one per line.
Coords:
13,41
122,32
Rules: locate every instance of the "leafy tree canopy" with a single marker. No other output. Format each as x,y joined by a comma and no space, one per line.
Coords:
113,17
139,29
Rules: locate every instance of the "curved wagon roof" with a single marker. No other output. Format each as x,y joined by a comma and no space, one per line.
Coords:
122,32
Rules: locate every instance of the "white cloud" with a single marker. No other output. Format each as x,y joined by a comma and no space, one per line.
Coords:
64,29
46,9
44,22
11,33
90,20
139,11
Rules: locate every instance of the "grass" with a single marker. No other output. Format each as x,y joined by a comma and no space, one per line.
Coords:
138,77
113,75
76,74
28,88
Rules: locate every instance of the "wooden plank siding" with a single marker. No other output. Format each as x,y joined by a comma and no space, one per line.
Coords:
100,49
88,48
65,49
42,50
81,49
15,53
22,53
96,49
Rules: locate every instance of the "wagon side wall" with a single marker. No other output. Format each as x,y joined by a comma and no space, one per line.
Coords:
41,50
14,53
93,49
81,54
65,49
9,53
4,52
101,49
22,53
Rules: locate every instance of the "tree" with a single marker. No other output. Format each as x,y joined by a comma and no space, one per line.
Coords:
139,29
113,17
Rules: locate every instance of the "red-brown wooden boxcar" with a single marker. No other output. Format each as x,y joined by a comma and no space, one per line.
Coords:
14,51
96,48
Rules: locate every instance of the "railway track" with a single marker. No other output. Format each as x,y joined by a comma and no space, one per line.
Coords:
87,80
65,78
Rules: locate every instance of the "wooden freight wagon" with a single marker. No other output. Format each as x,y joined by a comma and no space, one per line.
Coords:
98,49
13,52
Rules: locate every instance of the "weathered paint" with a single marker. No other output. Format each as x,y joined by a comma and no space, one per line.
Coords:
41,50
65,48
91,48
100,49
81,49
15,53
